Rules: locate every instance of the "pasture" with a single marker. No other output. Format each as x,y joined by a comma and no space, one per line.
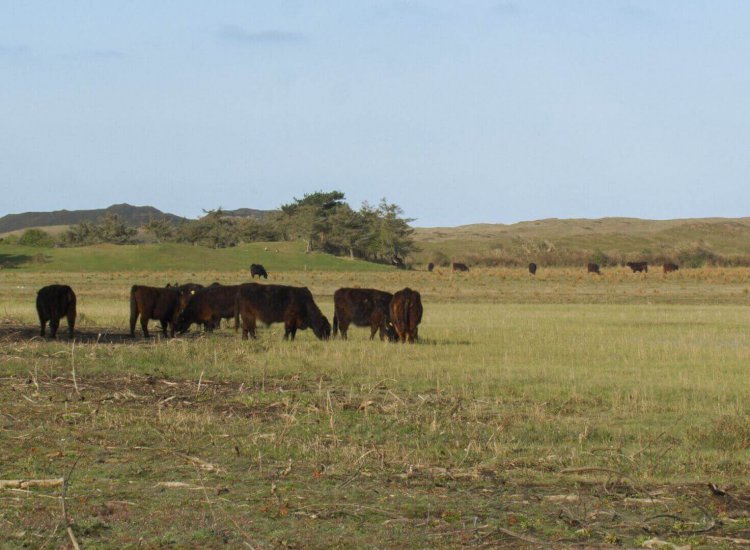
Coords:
555,410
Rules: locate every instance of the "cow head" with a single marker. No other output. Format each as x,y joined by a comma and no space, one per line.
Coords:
322,328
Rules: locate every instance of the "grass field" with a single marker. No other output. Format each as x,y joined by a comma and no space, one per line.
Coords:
561,410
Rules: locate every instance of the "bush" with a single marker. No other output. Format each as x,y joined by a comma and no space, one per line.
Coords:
37,238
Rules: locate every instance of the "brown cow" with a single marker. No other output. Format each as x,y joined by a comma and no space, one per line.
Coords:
457,266
54,302
406,314
364,307
208,306
150,302
638,266
532,268
291,305
593,268
670,267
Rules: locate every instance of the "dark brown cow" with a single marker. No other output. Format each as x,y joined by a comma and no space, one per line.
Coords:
291,305
670,267
208,306
637,267
430,267
532,268
364,307
54,302
406,314
150,302
593,268
257,270
457,266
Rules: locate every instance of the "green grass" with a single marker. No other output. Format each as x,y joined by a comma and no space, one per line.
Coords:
597,417
284,256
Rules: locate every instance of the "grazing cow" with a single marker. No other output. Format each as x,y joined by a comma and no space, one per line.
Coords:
459,266
208,306
291,305
430,267
150,302
257,270
406,314
637,267
54,302
532,268
593,268
670,267
364,307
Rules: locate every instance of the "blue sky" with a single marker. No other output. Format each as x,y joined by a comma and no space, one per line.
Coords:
460,112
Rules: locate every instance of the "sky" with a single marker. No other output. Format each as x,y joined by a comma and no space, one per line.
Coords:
478,111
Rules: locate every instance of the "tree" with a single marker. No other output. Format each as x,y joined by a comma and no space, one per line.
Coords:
36,238
162,229
309,218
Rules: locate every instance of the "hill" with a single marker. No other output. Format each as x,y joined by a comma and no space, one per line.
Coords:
572,241
133,216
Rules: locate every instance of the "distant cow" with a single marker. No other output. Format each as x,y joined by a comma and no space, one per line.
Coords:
669,267
293,306
54,302
459,266
257,270
637,267
430,267
208,306
406,314
398,262
593,268
150,302
532,268
364,307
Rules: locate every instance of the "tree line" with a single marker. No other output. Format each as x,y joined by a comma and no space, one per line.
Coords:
324,221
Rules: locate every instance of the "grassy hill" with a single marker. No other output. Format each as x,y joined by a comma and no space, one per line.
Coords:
286,256
566,242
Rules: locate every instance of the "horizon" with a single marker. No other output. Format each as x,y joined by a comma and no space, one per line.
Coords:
489,111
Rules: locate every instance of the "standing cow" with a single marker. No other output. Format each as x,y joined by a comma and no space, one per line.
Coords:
457,266
54,302
291,305
532,268
150,302
364,307
638,267
208,306
406,314
430,267
670,267
593,268
257,270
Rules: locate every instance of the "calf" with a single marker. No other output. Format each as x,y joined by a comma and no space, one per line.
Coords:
208,306
293,306
257,270
406,314
364,307
457,266
54,302
593,268
150,302
670,267
532,268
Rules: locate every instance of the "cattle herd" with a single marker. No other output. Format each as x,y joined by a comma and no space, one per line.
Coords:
177,307
636,267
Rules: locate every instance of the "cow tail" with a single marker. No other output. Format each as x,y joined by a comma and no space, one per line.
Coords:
335,325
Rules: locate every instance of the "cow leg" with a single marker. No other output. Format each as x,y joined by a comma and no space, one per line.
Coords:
373,329
144,326
71,323
43,323
344,326
248,327
133,319
53,324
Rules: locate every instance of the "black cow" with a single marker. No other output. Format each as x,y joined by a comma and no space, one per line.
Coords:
593,268
54,302
532,268
364,307
257,270
670,267
430,267
406,314
208,306
457,266
150,302
293,306
637,267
